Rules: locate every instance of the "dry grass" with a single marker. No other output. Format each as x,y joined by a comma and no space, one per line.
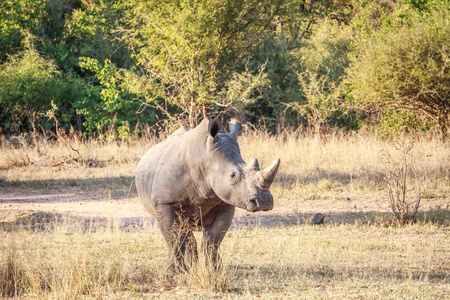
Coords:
64,263
346,172
339,261
57,160
357,253
298,261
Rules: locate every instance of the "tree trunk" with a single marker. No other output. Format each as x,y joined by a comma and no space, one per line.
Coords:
35,133
192,112
191,115
79,128
205,114
444,120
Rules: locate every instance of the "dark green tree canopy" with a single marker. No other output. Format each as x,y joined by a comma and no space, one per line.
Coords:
109,67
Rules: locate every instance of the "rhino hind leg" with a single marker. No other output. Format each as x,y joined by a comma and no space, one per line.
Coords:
187,249
182,253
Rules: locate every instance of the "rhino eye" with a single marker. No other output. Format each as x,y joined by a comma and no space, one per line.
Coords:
234,176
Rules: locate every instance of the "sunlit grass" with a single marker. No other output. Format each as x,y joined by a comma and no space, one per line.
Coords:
337,163
283,262
357,253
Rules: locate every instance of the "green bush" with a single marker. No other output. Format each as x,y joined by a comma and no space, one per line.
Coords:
107,104
404,65
29,84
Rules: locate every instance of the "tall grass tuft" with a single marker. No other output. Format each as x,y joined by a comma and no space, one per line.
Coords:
13,275
198,267
205,275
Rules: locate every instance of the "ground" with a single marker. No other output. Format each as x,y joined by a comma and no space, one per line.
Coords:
128,210
359,252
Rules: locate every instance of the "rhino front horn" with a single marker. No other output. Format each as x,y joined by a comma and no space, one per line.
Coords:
267,175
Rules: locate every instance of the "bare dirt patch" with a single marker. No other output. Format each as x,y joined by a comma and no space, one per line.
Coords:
76,204
101,206
127,211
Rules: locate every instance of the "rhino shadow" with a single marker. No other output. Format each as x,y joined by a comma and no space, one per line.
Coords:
48,221
39,221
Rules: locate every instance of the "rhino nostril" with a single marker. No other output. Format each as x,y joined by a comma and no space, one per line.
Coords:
253,201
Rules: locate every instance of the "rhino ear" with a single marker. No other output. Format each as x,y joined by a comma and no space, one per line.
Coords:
234,127
213,127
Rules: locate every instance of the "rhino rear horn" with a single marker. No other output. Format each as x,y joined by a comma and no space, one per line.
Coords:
253,165
234,127
267,175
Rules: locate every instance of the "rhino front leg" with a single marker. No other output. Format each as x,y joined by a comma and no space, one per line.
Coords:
220,220
179,238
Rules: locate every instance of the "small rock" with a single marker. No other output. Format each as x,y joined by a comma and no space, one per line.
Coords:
318,219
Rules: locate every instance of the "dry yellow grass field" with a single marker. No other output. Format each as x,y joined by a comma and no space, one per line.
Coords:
72,227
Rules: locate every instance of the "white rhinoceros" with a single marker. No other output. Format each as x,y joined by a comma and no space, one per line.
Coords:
194,180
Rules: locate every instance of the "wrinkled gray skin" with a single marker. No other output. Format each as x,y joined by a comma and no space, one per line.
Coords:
193,181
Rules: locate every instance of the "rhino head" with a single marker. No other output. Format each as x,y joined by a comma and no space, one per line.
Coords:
232,180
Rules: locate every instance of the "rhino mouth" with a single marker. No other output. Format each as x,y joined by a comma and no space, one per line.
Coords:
260,202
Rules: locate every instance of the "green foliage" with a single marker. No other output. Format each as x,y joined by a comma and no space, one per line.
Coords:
325,52
17,17
369,15
320,99
323,60
190,50
28,80
280,85
108,104
397,122
405,65
278,63
29,84
92,32
44,19
57,32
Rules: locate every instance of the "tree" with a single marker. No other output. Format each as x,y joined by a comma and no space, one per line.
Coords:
323,60
305,56
91,31
17,17
189,50
405,65
30,85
